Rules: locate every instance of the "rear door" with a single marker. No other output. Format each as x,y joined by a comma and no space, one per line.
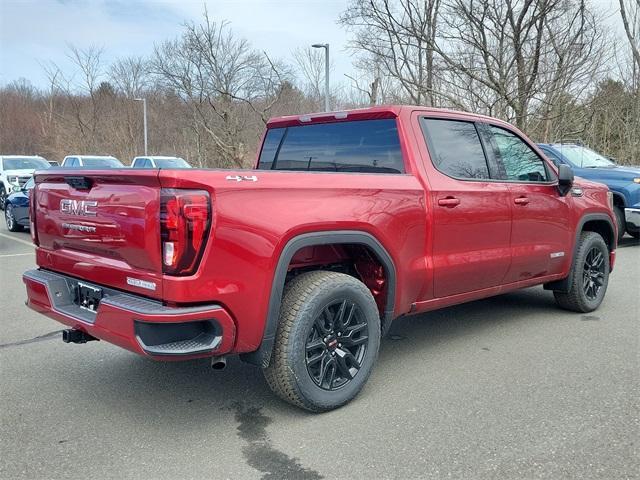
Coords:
102,227
471,217
541,230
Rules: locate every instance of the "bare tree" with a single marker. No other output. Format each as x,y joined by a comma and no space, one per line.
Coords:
225,83
400,35
630,13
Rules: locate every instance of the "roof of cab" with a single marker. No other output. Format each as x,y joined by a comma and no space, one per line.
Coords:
370,113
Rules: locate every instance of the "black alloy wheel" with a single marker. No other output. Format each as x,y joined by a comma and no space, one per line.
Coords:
593,273
589,275
336,345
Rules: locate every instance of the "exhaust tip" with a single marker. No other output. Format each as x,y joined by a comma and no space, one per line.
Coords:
218,363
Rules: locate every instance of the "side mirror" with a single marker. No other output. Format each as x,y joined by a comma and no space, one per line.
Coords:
565,179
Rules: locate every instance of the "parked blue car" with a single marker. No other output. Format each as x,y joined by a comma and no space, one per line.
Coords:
16,208
624,182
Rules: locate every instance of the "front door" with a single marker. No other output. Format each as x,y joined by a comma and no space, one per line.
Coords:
541,229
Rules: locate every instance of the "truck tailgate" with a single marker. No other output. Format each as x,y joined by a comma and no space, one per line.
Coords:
101,226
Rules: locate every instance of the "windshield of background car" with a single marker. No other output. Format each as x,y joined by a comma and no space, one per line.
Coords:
30,184
584,157
101,162
171,163
24,163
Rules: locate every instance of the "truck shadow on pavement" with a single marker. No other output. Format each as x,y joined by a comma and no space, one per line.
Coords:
180,391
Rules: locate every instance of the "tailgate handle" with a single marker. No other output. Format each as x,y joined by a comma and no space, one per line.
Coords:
79,183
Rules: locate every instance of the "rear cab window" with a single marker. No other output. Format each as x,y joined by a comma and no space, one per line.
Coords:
365,146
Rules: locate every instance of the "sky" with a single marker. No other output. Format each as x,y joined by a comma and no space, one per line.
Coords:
36,32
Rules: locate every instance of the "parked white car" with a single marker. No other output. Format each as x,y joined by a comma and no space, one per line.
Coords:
159,162
16,170
91,161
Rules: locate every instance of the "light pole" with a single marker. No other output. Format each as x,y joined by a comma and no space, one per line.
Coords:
144,113
326,72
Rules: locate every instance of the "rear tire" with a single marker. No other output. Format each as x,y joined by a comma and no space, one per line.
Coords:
326,343
589,275
635,233
12,224
622,224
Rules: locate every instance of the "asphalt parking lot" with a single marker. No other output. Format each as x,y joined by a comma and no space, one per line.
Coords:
508,387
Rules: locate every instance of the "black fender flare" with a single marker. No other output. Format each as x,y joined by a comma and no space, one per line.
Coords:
262,356
564,285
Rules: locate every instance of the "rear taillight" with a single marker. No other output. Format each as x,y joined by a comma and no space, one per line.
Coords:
32,216
185,219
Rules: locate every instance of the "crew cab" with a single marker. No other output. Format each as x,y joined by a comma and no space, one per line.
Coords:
623,181
348,221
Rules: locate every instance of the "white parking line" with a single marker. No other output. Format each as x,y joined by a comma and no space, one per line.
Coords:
16,254
19,240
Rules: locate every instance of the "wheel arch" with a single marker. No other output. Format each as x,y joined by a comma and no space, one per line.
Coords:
262,355
599,223
618,199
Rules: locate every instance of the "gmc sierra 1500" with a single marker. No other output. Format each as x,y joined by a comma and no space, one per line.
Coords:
348,221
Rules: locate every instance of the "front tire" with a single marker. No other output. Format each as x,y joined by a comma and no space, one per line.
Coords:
326,343
589,275
3,197
620,220
10,218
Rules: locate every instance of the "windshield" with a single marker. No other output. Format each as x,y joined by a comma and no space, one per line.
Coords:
584,157
30,184
24,163
171,163
101,162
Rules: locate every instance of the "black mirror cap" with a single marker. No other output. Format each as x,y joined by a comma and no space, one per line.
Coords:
565,179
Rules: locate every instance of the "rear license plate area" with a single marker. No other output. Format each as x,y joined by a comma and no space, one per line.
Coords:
87,296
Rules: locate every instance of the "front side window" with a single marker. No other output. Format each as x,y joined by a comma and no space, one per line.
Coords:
551,155
455,148
520,162
368,146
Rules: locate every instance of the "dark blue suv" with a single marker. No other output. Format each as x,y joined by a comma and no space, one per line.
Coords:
624,182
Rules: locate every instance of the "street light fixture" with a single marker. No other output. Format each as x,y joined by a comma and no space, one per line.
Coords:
326,72
144,113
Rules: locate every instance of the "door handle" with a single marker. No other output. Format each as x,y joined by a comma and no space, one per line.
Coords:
521,201
449,202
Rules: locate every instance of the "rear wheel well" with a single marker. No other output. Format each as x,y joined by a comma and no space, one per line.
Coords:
357,260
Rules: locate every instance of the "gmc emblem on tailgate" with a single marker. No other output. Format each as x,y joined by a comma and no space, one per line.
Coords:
84,208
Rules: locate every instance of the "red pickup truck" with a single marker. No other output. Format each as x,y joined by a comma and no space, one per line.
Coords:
348,221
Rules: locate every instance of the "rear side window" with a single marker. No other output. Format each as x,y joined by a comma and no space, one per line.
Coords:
455,148
368,146
520,162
